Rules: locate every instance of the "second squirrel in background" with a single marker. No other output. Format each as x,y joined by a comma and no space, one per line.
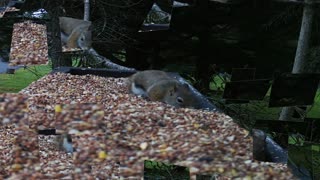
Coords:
75,33
64,143
159,86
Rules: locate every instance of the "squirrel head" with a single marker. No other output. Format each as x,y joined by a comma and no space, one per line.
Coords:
180,95
85,39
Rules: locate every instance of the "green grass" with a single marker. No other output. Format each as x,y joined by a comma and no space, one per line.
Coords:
314,109
260,109
161,170
306,156
22,78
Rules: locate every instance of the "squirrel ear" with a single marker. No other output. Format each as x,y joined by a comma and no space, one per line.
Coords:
185,85
90,28
175,87
173,90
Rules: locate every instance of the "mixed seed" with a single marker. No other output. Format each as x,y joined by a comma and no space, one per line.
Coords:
113,132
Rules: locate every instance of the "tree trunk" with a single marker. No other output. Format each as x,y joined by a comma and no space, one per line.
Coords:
300,60
86,15
54,43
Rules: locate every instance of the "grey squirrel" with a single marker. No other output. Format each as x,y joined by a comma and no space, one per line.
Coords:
76,33
157,85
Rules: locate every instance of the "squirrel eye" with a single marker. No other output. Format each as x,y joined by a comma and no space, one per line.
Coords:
179,100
